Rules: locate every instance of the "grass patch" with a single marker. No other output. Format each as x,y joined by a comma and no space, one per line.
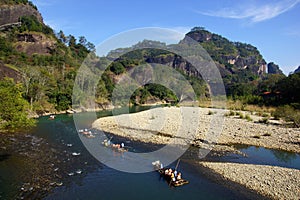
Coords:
264,120
241,115
239,105
288,114
248,118
230,113
263,114
220,103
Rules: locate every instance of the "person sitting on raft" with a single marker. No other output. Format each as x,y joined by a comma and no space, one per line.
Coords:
116,146
173,177
178,176
170,172
166,171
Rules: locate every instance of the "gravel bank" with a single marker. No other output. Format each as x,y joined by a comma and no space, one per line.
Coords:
270,181
195,126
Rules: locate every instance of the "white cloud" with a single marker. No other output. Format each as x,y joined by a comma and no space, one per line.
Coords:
255,12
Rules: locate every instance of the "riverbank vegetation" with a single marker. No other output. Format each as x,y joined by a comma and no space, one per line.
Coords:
13,107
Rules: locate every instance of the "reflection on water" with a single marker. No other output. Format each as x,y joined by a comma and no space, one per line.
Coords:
264,156
283,156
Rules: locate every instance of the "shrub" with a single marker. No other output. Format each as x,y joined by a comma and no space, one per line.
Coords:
13,107
231,113
288,114
241,115
264,120
248,118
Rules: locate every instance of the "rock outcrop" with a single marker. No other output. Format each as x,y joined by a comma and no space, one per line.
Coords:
6,71
274,69
235,56
199,35
27,42
10,14
34,43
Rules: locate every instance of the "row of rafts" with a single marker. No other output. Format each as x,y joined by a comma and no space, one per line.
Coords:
171,179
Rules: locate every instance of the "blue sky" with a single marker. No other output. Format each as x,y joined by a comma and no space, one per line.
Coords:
272,26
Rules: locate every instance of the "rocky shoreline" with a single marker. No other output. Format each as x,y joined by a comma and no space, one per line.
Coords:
162,125
270,181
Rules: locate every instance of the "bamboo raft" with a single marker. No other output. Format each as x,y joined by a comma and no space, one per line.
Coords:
176,183
114,146
161,171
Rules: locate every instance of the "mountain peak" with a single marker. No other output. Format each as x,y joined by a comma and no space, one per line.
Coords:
274,69
235,56
297,70
200,34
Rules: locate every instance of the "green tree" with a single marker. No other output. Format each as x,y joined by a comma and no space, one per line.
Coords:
289,89
90,46
62,37
82,40
13,108
72,41
117,68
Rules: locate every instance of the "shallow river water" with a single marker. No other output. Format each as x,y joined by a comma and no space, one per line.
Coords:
90,179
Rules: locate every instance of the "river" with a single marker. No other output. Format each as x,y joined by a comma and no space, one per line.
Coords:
86,178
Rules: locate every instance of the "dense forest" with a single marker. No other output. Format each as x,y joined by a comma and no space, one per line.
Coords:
43,66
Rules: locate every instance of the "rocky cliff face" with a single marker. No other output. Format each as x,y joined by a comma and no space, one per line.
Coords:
31,43
11,13
229,55
175,62
5,71
274,69
200,36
